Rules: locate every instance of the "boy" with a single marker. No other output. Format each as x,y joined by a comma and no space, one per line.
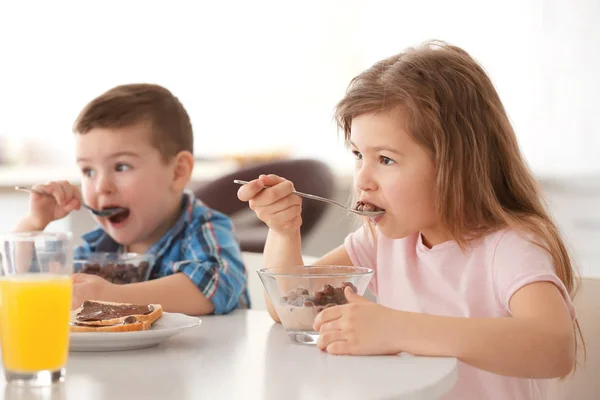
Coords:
134,146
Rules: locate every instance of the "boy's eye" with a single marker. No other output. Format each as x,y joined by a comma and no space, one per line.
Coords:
120,167
386,160
357,154
90,173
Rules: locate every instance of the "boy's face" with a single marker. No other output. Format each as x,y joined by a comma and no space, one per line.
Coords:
121,168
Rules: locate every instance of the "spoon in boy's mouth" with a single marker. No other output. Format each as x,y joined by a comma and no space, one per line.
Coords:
107,212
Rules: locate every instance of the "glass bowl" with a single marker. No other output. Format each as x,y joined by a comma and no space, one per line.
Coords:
119,268
299,293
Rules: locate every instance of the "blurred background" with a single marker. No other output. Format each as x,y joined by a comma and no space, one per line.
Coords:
260,80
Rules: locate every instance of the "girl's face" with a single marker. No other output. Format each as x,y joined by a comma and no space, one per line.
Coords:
396,174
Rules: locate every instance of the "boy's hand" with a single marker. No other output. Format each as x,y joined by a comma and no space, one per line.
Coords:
64,198
360,327
90,287
271,198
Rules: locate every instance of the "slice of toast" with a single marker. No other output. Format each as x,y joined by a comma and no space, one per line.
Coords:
129,324
103,313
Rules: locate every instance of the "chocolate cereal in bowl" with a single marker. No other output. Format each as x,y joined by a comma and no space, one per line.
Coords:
119,268
300,293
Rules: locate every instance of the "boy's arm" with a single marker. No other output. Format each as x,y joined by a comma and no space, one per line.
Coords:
213,262
209,278
176,293
29,224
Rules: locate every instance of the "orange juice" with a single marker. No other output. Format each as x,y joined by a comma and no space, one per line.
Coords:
34,321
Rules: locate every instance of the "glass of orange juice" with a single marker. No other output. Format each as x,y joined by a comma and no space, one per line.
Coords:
35,306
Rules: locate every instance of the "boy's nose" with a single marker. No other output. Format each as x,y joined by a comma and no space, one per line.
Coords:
104,184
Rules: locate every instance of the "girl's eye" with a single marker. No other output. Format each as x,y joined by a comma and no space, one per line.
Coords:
120,167
357,154
386,160
88,172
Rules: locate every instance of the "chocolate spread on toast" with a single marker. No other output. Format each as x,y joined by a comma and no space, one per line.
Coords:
92,311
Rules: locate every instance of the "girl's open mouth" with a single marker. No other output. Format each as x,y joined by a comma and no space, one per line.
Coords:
362,206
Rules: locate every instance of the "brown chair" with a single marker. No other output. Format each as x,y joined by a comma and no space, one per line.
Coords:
309,176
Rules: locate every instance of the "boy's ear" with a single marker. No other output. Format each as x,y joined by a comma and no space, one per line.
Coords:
182,172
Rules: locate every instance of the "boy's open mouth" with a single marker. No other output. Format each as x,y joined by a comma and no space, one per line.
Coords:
362,206
120,217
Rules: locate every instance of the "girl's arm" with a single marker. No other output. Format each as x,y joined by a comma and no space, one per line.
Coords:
538,341
282,251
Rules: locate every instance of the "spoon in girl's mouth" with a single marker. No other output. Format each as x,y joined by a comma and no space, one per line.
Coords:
366,213
107,212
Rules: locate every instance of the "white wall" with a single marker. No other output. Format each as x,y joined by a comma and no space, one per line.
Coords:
542,55
572,61
266,73
253,75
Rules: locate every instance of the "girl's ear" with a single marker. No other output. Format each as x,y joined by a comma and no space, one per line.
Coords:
182,172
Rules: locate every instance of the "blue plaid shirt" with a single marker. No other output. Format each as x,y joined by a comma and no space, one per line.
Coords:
201,244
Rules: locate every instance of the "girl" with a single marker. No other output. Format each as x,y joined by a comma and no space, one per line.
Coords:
467,262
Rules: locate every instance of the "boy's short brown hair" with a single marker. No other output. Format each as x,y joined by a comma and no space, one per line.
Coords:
127,105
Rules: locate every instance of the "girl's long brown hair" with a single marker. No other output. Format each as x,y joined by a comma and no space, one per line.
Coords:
453,110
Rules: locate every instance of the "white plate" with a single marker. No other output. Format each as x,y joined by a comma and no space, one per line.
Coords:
166,326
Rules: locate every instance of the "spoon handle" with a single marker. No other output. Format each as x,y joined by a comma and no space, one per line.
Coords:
306,195
32,190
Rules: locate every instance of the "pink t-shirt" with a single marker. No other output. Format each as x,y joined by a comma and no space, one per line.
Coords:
444,280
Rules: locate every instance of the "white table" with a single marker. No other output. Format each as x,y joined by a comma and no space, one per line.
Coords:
245,356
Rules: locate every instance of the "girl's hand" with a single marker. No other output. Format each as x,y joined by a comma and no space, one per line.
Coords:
271,198
360,327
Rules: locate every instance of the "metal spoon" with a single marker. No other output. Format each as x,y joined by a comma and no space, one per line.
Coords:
107,212
369,214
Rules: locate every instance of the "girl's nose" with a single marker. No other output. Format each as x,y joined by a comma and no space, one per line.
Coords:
364,179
